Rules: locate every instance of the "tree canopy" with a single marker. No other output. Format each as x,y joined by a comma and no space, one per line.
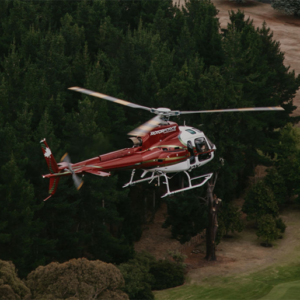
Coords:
149,52
77,279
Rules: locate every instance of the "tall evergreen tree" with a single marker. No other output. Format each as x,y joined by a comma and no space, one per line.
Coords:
17,215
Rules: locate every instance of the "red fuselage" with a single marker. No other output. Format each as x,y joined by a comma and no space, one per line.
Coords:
160,147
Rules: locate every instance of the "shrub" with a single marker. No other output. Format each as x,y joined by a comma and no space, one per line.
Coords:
289,7
280,225
77,279
138,280
229,220
178,257
166,274
11,287
143,274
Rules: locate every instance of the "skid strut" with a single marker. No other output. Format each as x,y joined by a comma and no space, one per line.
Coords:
158,174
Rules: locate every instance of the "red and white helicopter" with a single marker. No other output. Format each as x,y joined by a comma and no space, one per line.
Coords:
159,147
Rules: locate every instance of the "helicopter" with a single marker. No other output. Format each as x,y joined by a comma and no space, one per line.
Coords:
159,148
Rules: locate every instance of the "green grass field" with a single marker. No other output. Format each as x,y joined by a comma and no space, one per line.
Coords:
270,284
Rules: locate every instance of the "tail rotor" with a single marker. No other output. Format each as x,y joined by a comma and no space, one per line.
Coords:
78,182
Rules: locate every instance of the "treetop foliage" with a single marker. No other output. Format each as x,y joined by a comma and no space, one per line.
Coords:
77,278
11,287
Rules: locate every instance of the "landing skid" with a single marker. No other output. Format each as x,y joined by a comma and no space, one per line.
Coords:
158,174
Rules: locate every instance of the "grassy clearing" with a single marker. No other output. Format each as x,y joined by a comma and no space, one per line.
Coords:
276,283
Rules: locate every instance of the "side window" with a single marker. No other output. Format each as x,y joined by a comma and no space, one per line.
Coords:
202,147
191,150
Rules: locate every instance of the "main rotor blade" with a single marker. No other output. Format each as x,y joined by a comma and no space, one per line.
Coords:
146,127
233,110
106,97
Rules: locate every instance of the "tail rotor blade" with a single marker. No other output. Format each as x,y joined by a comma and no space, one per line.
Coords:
66,158
78,182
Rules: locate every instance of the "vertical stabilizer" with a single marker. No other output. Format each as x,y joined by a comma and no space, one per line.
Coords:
50,160
52,166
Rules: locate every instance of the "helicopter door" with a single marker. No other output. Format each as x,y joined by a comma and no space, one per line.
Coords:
201,148
191,150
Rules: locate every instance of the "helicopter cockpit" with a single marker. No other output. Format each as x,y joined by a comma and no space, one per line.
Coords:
202,148
198,145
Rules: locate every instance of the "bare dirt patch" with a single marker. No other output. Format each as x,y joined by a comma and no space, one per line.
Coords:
196,258
155,239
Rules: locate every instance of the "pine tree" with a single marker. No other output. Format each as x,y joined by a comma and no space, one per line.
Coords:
260,201
267,229
17,215
186,218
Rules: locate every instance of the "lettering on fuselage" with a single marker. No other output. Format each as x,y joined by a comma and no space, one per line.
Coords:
166,130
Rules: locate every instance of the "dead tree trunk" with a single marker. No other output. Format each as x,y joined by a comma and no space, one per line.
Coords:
212,228
210,241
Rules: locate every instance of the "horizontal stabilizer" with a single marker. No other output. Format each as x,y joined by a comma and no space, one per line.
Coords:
52,186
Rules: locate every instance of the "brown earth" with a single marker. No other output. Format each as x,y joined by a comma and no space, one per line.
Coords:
155,239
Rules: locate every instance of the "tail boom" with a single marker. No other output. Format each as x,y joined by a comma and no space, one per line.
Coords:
65,168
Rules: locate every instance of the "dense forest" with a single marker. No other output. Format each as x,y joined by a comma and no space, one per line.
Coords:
148,52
